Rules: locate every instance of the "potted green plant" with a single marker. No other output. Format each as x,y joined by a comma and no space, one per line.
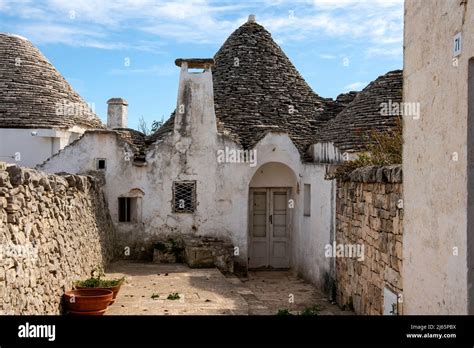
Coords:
98,283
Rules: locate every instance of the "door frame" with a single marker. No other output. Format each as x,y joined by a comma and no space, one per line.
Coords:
269,228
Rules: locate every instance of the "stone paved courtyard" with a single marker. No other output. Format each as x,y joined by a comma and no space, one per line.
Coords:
209,292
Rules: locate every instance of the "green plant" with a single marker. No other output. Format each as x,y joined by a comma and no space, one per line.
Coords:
172,246
160,247
97,272
177,249
173,296
155,125
385,148
314,310
153,296
284,311
95,280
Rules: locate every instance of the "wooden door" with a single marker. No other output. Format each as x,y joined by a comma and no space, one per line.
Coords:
269,242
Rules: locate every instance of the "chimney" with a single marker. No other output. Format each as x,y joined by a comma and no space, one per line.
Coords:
117,113
251,19
195,116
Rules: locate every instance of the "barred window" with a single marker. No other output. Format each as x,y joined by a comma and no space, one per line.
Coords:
184,197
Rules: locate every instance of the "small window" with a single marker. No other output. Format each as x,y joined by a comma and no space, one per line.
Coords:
128,209
307,200
101,164
184,197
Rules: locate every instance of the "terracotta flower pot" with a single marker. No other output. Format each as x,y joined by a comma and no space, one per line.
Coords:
87,301
92,313
115,289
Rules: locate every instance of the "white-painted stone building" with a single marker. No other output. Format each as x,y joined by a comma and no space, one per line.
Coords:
243,158
438,245
39,111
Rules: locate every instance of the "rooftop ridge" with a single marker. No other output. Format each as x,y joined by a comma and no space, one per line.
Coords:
349,130
14,35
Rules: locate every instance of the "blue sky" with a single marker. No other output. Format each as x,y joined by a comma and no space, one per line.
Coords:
127,48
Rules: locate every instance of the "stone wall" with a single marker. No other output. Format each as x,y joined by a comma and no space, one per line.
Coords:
54,229
369,213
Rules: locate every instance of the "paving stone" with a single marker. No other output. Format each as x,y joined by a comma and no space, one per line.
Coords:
209,292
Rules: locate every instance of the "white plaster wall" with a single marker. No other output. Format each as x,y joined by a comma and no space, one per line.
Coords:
222,193
435,191
33,149
315,230
191,153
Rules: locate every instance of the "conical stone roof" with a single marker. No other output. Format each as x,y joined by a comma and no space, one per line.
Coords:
258,90
350,129
33,94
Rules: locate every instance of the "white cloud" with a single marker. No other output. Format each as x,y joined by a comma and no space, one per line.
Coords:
378,22
356,86
327,56
347,3
52,33
384,51
154,70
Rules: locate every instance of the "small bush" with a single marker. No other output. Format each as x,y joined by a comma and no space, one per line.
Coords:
284,311
172,246
314,310
99,283
385,148
96,281
160,247
174,296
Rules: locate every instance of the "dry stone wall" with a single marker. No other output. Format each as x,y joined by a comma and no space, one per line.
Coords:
369,213
54,229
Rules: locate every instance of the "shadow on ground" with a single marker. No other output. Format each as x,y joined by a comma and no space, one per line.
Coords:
176,289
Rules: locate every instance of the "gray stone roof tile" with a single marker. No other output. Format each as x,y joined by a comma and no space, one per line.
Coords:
258,90
349,130
33,94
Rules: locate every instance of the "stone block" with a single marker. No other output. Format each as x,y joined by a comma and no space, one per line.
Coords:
383,243
387,226
163,257
375,223
394,263
392,277
5,180
380,201
199,257
17,175
205,252
398,249
385,258
10,276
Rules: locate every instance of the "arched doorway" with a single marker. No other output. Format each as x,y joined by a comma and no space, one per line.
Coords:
270,216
